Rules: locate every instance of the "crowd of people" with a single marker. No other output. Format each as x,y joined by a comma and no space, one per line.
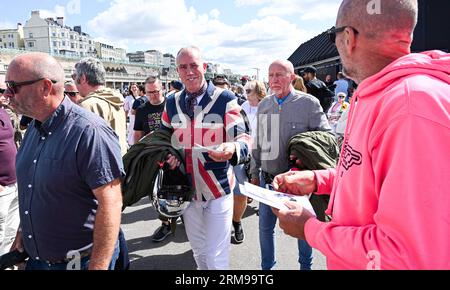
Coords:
61,193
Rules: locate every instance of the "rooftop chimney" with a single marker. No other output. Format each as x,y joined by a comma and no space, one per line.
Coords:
60,21
35,13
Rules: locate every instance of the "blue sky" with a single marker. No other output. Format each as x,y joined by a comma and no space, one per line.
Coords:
238,34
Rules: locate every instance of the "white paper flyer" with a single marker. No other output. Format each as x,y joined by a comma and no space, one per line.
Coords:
273,198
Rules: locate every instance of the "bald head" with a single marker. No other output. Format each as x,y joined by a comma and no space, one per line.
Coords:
34,66
44,89
281,75
287,65
380,19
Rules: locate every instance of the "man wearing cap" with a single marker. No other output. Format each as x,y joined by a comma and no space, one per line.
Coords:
175,87
317,88
222,82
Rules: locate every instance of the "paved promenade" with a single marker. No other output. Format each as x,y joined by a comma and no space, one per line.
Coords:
140,221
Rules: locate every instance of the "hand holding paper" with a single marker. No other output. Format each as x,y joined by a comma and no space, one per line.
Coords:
293,220
296,182
221,153
292,211
275,199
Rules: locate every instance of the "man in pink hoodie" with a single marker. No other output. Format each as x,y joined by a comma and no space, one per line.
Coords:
391,191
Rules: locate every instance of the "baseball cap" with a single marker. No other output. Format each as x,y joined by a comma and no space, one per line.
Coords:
177,85
310,69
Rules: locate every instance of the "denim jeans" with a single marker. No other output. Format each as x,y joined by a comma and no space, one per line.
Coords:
267,222
123,259
83,265
241,178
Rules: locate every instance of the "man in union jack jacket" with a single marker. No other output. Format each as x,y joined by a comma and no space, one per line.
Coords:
207,123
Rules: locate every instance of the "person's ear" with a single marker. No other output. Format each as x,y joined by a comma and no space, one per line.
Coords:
47,87
350,40
293,78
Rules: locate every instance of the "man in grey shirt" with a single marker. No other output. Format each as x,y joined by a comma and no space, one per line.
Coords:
281,116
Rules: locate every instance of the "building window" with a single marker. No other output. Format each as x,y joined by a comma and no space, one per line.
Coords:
63,43
72,45
54,34
30,44
63,34
55,44
30,35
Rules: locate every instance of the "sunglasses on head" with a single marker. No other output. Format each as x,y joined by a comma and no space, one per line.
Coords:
71,94
14,87
335,30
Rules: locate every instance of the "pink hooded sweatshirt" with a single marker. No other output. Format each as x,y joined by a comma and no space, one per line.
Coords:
391,191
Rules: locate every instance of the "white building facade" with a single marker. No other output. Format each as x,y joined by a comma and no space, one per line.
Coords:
48,35
12,38
110,53
156,57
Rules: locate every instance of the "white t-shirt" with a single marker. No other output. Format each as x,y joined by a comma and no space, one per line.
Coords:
128,104
252,114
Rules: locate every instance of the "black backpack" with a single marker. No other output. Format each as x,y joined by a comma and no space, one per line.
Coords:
326,97
318,89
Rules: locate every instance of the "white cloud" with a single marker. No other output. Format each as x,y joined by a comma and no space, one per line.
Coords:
305,9
169,25
215,14
58,11
7,25
243,3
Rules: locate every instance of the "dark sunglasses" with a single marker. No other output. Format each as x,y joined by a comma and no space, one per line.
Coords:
335,30
71,94
2,91
13,86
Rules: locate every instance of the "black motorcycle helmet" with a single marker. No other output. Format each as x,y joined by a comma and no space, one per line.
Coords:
172,192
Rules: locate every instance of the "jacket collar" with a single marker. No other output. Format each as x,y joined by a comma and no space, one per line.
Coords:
205,100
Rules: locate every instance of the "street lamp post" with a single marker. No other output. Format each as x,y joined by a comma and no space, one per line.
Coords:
257,73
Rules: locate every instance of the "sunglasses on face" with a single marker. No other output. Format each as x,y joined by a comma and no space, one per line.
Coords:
14,87
335,30
71,94
2,91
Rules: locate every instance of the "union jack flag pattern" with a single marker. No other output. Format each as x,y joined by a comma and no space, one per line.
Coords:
217,119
